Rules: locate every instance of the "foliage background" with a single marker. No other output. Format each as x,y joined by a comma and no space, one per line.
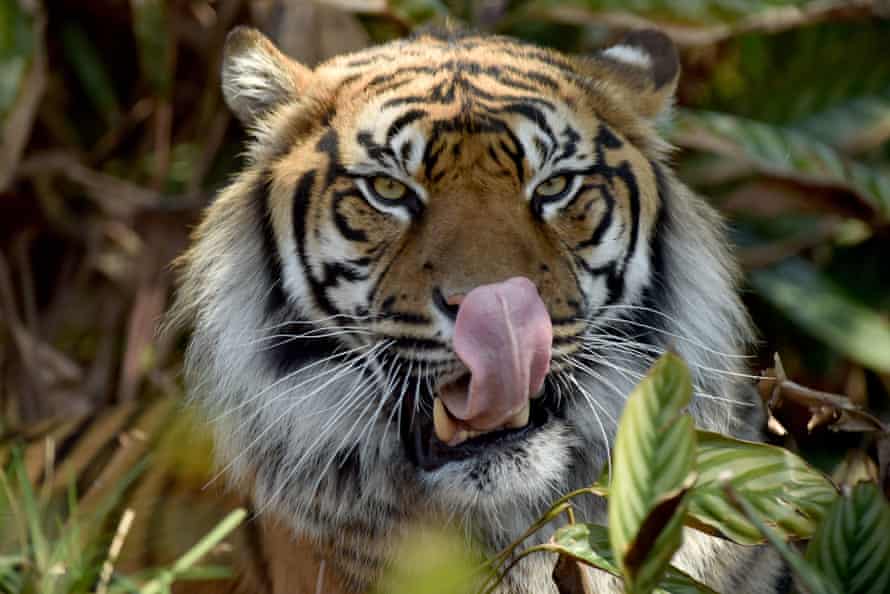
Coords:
114,137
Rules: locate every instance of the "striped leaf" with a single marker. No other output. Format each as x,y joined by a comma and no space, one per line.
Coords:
689,11
776,482
854,126
744,79
780,486
852,546
693,22
653,468
589,544
826,311
782,152
808,579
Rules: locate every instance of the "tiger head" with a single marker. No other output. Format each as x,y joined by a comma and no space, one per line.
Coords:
447,261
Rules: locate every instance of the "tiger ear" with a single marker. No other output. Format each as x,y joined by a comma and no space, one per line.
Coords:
257,77
647,61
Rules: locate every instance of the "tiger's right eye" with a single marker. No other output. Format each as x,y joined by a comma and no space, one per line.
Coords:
388,188
552,187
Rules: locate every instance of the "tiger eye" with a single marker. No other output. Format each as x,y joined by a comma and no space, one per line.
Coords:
388,188
552,187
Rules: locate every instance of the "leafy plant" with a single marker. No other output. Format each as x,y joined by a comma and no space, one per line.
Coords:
665,474
52,548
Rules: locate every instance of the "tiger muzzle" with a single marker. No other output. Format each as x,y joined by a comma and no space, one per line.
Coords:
503,335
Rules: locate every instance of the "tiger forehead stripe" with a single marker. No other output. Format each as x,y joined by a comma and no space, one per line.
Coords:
490,57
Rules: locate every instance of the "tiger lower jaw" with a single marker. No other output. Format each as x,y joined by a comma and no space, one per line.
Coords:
498,478
443,440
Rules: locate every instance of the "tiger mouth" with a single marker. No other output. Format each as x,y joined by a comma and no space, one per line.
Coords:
437,440
503,338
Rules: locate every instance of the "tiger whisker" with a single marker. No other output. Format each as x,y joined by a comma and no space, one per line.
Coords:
318,321
628,306
357,391
597,341
639,375
397,406
342,371
592,403
682,337
289,376
347,408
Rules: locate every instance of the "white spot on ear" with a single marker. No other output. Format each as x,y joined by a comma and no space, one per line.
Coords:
629,54
253,81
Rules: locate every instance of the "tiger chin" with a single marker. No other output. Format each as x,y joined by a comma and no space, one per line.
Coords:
426,296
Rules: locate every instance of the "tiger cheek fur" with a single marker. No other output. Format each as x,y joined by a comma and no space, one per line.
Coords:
388,194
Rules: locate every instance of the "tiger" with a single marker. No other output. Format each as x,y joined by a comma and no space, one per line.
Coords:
424,299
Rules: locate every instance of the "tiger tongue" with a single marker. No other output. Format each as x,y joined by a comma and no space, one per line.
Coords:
503,335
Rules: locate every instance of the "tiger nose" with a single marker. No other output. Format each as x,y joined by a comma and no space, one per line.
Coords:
448,304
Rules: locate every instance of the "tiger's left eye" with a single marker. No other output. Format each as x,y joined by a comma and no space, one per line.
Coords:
552,187
389,188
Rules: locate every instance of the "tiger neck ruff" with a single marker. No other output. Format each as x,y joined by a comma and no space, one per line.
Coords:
426,296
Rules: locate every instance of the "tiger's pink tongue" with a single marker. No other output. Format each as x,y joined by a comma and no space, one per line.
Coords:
503,335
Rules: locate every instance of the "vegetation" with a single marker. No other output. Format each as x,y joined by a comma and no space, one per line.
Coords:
114,136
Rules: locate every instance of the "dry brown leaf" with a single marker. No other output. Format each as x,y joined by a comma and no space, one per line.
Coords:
571,577
856,467
833,411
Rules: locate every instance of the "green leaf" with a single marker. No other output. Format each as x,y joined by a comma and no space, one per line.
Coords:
690,11
418,11
782,152
589,544
90,70
780,485
810,579
815,76
824,310
17,44
856,125
152,30
653,468
185,564
852,546
431,560
31,508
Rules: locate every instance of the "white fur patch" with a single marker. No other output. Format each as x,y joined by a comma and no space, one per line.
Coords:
629,54
253,81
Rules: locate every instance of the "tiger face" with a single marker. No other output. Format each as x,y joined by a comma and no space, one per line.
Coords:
446,264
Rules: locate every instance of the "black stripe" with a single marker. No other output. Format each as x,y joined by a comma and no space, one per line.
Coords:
403,120
347,231
784,580
605,222
378,152
570,147
532,113
633,196
538,77
655,291
444,92
302,196
276,300
329,144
